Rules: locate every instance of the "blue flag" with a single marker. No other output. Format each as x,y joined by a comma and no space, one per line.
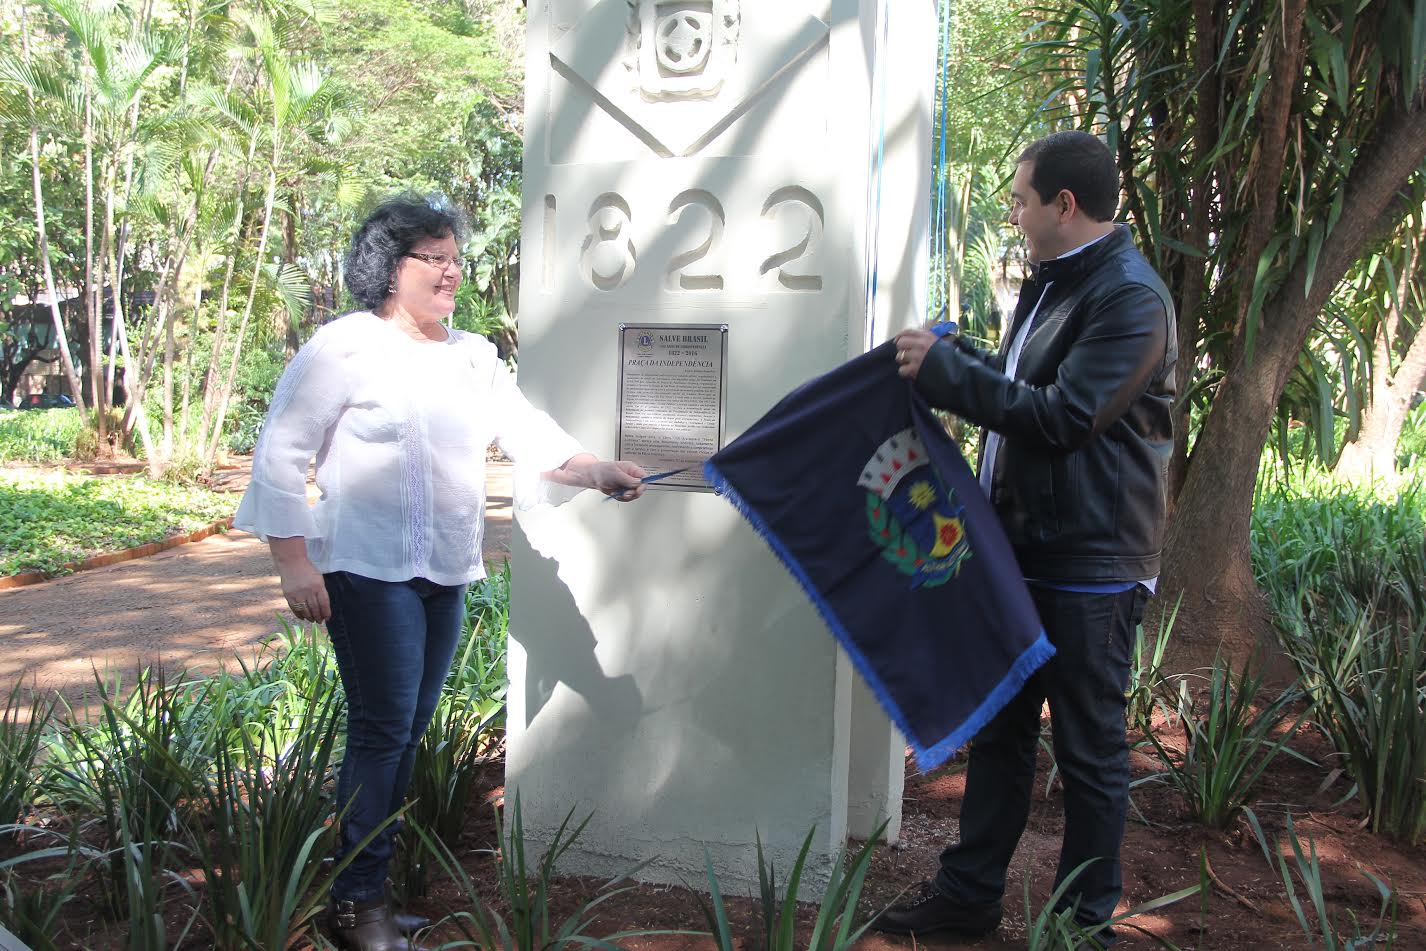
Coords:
868,502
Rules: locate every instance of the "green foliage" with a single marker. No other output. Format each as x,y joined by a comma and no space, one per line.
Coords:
1146,671
48,520
777,905
136,769
257,378
1411,447
43,435
1309,873
1054,928
1227,745
228,778
1345,573
525,892
32,910
462,735
234,147
22,727
268,803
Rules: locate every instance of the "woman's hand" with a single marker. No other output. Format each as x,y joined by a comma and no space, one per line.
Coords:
617,479
302,583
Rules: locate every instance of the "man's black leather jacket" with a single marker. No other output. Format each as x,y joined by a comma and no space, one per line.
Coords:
1080,477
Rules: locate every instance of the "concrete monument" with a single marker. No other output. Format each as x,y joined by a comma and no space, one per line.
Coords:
712,190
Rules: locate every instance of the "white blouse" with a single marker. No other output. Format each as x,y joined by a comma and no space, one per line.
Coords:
400,430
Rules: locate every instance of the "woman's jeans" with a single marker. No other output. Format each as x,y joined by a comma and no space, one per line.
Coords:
394,641
1084,682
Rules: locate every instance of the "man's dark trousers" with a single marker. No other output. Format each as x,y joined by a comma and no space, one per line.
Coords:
1085,683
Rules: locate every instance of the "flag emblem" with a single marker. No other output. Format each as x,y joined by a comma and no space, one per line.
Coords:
911,514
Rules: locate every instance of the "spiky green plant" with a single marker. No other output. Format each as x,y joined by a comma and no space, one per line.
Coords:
527,924
1227,745
1345,572
1323,931
835,928
138,768
1055,929
272,818
22,730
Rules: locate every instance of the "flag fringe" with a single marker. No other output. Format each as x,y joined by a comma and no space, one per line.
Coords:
927,757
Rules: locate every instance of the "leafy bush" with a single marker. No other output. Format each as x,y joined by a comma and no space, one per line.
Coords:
48,520
269,806
252,392
137,769
1345,573
1146,671
45,435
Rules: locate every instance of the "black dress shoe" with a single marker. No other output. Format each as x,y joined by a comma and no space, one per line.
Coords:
367,926
928,911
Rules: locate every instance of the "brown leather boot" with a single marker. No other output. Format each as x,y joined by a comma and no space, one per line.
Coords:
367,926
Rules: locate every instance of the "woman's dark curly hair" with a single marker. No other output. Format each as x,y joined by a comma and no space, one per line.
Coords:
390,231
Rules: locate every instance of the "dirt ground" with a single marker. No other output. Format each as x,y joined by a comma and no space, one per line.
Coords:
191,608
1246,909
199,605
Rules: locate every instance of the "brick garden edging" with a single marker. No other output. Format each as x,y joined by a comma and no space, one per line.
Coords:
128,554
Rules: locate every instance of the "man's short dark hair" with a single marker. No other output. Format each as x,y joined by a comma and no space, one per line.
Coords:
391,230
1079,163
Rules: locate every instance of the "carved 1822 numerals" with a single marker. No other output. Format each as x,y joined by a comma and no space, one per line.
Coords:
608,256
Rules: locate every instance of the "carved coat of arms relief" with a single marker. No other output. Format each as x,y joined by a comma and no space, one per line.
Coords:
682,49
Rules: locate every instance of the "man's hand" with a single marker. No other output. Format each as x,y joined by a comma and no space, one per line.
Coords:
911,348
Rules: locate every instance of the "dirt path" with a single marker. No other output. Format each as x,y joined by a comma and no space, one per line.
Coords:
192,607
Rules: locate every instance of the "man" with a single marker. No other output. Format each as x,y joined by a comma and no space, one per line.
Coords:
1077,416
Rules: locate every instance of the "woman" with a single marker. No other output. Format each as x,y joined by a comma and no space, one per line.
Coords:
398,409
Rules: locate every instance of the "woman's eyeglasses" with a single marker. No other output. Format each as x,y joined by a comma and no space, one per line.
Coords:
438,261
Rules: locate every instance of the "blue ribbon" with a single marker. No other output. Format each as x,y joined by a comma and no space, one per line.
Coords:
649,479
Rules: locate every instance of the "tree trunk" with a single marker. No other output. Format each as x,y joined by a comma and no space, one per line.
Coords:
1370,452
93,301
1373,455
133,393
1197,235
227,391
166,316
106,259
210,379
61,339
1208,555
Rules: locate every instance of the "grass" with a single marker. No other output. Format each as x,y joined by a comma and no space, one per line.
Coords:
45,435
48,520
